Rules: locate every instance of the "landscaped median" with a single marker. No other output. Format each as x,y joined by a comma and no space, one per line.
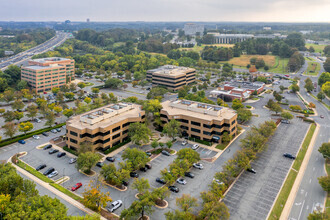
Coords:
287,186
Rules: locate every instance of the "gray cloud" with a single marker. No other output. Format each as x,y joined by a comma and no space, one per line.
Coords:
166,10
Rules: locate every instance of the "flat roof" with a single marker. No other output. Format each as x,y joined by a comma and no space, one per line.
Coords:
50,59
171,70
105,116
197,110
245,85
35,67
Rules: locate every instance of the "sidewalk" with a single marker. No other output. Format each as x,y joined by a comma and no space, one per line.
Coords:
288,205
55,191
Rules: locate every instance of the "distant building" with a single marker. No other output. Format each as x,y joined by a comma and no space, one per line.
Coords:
192,29
171,77
267,28
46,73
250,86
230,95
235,38
199,120
104,127
268,76
9,52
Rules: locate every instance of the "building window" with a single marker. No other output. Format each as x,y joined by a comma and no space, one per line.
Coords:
126,124
73,133
115,136
184,121
195,130
232,129
217,126
233,122
207,126
226,125
115,129
126,131
207,133
73,141
184,127
195,123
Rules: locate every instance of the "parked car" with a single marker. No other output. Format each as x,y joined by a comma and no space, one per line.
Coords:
161,181
115,205
149,154
285,121
148,166
72,160
251,170
321,116
99,164
37,120
111,159
181,181
290,156
64,126
54,131
217,181
125,183
48,146
45,134
195,147
198,166
21,142
144,169
49,171
61,154
40,167
174,189
53,151
189,174
58,129
77,186
134,174
184,143
166,153
52,174
36,137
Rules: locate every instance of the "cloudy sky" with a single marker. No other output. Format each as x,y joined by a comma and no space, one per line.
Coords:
166,10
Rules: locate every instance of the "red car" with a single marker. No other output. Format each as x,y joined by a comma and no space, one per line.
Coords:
45,92
77,186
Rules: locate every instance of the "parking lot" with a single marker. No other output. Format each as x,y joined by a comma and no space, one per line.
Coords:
253,195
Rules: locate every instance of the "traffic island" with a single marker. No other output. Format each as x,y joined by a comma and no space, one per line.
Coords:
122,189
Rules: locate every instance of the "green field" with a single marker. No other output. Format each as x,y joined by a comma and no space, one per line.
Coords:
318,48
312,69
280,65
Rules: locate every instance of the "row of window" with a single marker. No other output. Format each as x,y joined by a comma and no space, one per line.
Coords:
100,141
184,128
199,124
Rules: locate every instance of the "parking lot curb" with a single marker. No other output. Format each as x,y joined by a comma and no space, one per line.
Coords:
231,185
160,207
121,190
289,202
87,174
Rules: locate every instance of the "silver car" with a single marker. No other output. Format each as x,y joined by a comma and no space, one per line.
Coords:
181,181
54,173
115,205
72,160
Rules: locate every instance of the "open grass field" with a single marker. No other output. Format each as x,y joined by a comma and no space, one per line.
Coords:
280,65
244,60
200,48
312,69
318,48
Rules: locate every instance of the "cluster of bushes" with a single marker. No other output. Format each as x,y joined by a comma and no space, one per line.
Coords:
185,159
200,141
108,151
297,108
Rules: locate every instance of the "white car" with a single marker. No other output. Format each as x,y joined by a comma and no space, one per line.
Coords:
54,173
54,131
218,181
181,181
195,147
115,205
72,160
184,143
36,137
198,166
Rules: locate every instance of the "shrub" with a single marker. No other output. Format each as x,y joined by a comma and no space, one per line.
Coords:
70,150
117,146
248,106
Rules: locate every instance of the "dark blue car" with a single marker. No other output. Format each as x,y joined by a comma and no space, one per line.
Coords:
21,141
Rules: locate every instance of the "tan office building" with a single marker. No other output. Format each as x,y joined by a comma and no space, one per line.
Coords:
103,127
46,73
199,120
171,77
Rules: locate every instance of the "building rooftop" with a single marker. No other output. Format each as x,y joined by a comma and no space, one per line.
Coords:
50,59
197,109
105,116
245,85
34,67
171,70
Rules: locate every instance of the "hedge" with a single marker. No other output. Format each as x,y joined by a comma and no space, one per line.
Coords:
248,106
117,146
65,191
28,135
70,150
200,141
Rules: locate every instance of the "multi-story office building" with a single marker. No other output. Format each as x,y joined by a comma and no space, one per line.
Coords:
103,127
46,73
199,120
171,77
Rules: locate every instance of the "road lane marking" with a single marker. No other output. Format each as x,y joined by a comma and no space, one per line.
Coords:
301,209
310,180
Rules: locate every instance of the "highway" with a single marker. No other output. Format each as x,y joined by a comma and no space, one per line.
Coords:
20,58
310,195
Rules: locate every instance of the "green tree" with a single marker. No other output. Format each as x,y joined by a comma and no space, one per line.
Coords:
287,115
55,90
18,115
94,198
135,158
68,112
189,155
321,95
237,104
172,129
72,87
141,185
86,161
318,215
25,127
50,119
325,183
154,144
326,88
113,83
81,85
85,146
226,138
17,104
9,116
295,88
244,114
10,129
58,109
69,95
32,111
276,108
114,176
139,133
88,100
214,210
324,77
309,86
160,194
95,90
325,150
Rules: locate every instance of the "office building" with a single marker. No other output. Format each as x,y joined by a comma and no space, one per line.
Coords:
199,120
104,127
171,77
46,73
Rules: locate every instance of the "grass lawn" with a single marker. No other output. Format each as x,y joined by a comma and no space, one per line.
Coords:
287,186
327,203
312,69
280,65
221,146
33,171
88,83
244,60
66,192
328,106
318,48
200,48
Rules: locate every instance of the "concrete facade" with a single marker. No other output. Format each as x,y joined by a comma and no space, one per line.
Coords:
199,120
104,127
44,74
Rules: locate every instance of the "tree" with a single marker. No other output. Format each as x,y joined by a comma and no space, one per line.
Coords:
141,185
169,144
244,114
81,85
186,203
326,65
325,150
3,84
295,88
85,146
135,158
50,118
55,90
154,144
172,129
318,215
9,116
276,108
326,88
309,86
18,115
58,109
17,104
2,110
8,95
25,127
321,95
325,183
95,90
226,138
86,161
69,95
160,194
189,155
287,115
114,176
68,112
143,206
214,210
32,111
87,100
324,77
94,198
72,87
113,83
10,129
237,104
139,133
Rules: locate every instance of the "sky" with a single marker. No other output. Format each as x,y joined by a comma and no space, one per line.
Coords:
166,10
